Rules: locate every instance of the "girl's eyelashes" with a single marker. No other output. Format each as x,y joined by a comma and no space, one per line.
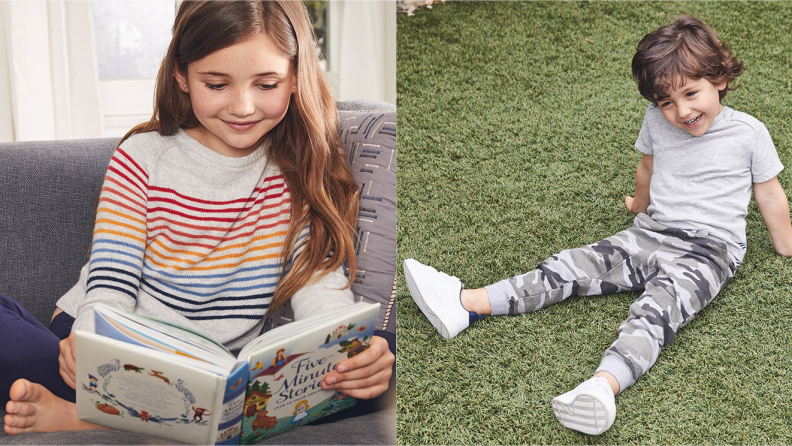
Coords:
222,86
691,93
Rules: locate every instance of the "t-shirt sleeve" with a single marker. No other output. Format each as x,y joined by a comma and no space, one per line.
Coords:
765,163
644,141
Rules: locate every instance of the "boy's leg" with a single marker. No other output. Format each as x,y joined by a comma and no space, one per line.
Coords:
621,262
692,270
618,263
29,350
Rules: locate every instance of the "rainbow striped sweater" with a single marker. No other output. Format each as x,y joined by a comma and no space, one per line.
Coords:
188,235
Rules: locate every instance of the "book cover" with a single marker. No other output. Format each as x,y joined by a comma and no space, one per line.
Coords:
284,389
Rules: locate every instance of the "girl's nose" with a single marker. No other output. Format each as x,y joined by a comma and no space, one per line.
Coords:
242,104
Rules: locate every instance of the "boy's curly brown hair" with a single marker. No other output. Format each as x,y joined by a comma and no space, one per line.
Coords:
687,48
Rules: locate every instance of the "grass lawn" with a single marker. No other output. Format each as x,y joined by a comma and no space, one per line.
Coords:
517,124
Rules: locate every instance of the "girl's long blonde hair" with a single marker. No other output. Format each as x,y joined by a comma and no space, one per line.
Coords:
305,145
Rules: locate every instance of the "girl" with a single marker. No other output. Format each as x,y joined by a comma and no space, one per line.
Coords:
232,200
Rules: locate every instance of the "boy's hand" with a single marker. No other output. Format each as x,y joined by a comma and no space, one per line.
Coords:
633,206
68,360
628,201
365,375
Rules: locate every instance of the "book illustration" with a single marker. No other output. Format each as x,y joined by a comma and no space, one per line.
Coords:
108,409
278,363
199,413
288,391
300,411
347,340
94,384
166,402
261,425
157,374
264,421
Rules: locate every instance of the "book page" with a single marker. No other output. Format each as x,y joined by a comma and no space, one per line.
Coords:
152,333
123,386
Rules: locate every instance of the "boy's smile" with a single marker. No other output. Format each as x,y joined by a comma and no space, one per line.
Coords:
693,105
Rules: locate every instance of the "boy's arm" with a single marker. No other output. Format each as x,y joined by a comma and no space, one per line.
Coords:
643,176
773,206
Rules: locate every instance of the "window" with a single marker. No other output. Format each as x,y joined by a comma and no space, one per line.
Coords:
131,40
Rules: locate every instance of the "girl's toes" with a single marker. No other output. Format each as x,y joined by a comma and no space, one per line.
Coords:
21,409
17,422
10,430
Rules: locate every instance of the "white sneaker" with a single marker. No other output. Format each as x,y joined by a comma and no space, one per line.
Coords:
438,296
589,408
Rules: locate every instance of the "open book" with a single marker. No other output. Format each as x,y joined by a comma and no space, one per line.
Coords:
146,375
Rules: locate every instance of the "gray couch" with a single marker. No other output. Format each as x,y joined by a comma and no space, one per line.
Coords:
47,196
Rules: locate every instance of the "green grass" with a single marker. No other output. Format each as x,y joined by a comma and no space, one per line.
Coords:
516,140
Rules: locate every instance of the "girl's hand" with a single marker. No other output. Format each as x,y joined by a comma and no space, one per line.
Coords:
365,375
68,360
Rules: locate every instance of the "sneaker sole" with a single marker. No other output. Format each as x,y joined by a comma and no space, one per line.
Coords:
584,414
415,292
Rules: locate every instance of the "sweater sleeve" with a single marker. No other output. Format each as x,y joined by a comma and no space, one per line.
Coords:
321,295
71,301
119,238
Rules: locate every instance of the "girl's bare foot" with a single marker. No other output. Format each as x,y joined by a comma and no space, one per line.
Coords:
33,408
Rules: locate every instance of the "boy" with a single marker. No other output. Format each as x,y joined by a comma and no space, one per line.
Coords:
700,162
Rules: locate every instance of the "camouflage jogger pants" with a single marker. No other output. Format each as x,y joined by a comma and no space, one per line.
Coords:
680,271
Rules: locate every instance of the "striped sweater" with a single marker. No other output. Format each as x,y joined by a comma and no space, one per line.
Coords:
185,234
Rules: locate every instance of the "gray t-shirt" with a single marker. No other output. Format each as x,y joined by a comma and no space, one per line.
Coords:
705,182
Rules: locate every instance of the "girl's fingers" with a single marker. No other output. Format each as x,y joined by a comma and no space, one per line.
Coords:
380,378
370,355
72,343
384,362
71,364
68,369
68,379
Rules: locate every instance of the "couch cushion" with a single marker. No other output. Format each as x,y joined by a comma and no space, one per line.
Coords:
369,141
369,138
48,191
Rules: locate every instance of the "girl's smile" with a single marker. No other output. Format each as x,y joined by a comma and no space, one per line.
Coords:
239,94
242,126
